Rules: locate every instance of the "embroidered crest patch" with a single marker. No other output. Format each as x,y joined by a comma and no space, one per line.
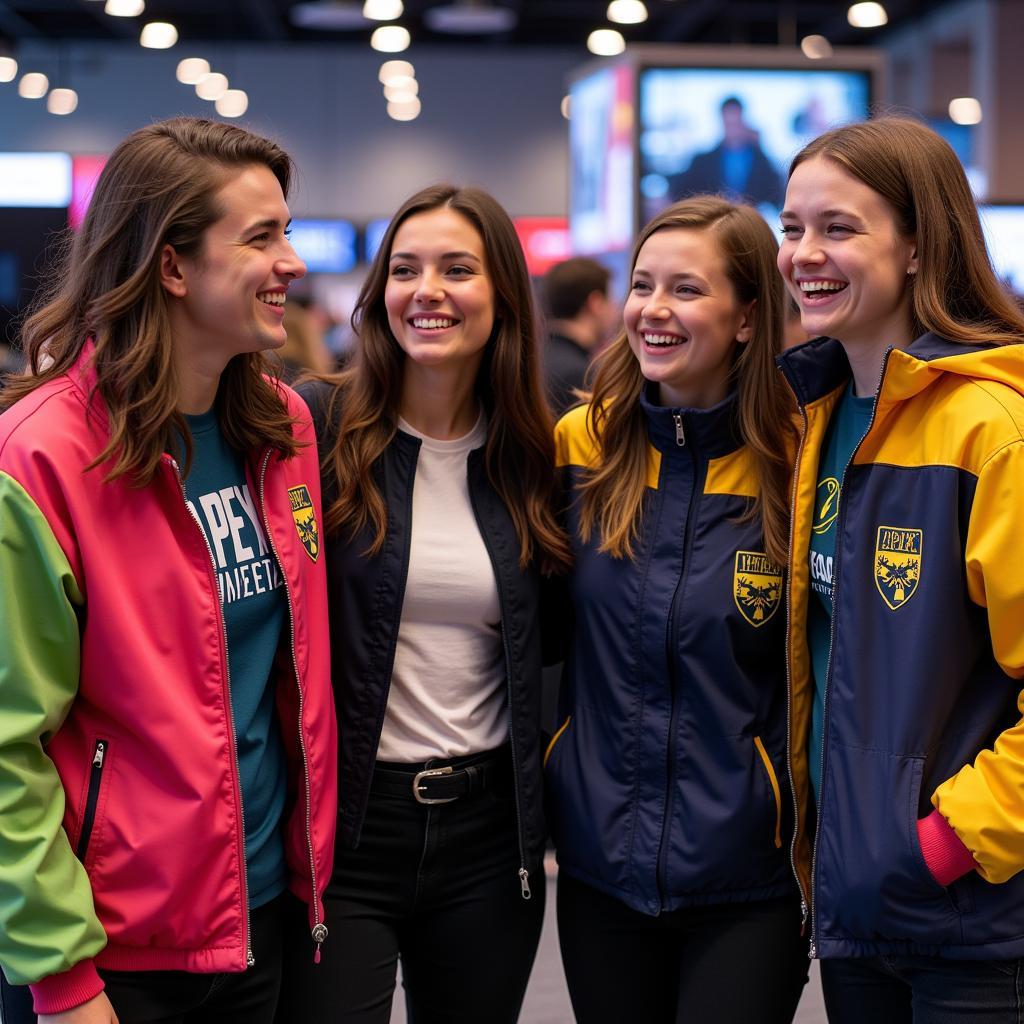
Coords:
897,564
305,519
756,586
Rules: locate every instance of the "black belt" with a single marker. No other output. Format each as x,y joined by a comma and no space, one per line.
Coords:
435,782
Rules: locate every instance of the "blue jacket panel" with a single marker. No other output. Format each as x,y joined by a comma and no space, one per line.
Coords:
667,780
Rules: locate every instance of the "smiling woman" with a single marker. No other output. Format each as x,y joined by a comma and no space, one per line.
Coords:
440,495
167,742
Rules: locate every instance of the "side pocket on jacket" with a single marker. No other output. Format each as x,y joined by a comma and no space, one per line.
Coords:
92,799
776,792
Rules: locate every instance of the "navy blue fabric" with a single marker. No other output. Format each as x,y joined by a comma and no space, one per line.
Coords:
914,694
659,796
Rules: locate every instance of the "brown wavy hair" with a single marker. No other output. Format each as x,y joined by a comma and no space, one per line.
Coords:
519,455
158,188
612,493
955,293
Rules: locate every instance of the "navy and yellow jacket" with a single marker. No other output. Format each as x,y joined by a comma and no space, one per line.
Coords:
667,779
923,695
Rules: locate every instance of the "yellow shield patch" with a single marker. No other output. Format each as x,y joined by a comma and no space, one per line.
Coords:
897,564
756,586
305,519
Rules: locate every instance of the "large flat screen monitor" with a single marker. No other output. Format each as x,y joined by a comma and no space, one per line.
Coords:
734,130
1004,236
325,246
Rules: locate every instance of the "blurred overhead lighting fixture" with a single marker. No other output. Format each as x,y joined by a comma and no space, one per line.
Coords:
867,15
124,8
395,69
191,69
965,110
33,86
405,111
401,85
470,18
606,42
158,35
8,69
382,10
390,39
328,15
62,101
627,12
212,86
816,47
234,103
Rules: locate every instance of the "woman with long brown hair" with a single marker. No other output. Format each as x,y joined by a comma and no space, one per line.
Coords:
439,498
167,739
668,777
906,585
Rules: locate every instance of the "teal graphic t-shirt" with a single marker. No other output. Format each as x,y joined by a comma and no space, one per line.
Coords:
254,604
849,423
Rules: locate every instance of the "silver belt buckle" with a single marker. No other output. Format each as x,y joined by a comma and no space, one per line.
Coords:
430,773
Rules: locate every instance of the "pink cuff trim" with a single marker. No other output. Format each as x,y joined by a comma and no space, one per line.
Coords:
945,855
65,991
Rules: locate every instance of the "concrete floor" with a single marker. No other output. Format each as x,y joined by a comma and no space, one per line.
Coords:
547,1001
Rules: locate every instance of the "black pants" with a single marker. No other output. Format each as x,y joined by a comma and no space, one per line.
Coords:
437,886
183,997
730,963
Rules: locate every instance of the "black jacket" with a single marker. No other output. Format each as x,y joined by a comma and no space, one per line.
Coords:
365,594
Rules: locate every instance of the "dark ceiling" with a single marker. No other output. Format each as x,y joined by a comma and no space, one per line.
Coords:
538,23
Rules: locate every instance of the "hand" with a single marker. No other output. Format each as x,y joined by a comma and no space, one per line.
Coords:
97,1011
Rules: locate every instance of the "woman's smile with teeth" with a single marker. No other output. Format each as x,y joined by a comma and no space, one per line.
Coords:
814,287
662,340
432,322
272,298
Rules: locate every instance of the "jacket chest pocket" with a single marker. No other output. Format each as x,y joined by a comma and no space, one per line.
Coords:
773,781
93,794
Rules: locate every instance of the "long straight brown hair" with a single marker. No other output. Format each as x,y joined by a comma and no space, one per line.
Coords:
612,492
955,292
519,455
159,187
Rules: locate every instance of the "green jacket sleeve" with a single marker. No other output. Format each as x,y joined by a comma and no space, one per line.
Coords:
47,919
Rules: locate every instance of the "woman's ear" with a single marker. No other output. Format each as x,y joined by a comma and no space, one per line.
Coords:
172,273
746,328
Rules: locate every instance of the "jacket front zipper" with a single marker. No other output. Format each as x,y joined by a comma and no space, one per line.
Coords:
250,960
99,755
319,931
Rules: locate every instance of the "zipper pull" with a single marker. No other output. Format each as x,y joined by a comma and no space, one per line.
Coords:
319,934
680,436
97,758
524,882
803,917
813,951
250,960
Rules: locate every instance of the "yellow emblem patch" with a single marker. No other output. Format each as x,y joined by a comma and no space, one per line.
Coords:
305,519
756,586
897,564
826,505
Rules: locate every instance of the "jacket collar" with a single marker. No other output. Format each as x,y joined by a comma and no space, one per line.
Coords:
713,432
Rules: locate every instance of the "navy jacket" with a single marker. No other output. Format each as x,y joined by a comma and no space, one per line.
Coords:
667,779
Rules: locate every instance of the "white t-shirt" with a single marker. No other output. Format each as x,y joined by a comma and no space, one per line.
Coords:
447,693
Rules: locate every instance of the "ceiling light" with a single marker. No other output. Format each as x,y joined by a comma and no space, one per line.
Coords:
191,69
124,8
393,95
965,110
212,86
233,103
406,111
401,83
867,15
328,15
8,69
158,35
606,42
816,47
62,101
382,10
395,69
390,39
627,12
33,86
564,107
470,17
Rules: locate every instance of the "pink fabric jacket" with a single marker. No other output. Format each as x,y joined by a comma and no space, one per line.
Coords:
165,856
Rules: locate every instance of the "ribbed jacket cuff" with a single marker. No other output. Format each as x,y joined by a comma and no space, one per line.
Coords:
944,854
65,991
